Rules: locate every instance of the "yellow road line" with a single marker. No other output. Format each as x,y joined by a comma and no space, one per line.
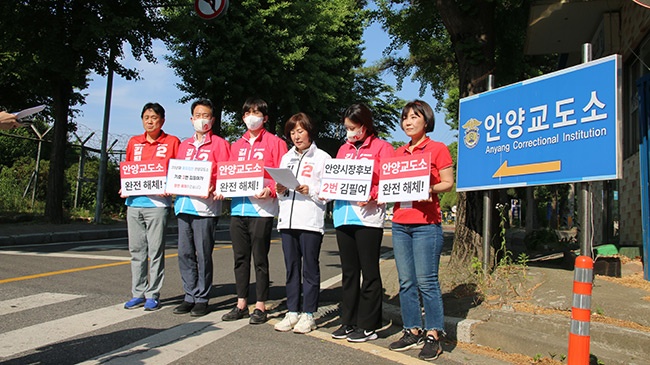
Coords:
66,271
85,268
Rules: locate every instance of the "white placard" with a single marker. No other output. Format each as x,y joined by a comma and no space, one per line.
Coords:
143,177
189,177
240,178
346,179
404,178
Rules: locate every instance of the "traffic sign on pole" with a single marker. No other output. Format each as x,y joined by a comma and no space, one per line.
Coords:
210,9
557,128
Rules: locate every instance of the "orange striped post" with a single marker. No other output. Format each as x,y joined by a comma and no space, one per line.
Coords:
581,311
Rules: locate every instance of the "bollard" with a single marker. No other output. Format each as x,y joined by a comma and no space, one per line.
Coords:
581,311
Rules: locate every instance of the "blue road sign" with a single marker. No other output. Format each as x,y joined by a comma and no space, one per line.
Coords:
558,128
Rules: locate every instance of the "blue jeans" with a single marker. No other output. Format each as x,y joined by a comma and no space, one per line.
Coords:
417,249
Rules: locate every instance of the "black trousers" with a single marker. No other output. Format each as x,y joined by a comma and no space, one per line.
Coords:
359,248
251,236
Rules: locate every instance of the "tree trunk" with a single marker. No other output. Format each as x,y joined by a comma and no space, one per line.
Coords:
554,209
468,241
472,36
531,209
56,182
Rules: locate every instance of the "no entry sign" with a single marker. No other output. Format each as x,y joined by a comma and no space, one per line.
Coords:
210,9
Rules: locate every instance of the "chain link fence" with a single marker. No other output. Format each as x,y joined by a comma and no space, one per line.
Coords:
23,179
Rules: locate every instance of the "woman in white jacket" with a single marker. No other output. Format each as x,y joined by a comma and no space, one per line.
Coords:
301,224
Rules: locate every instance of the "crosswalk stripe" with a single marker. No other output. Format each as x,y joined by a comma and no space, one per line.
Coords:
114,246
172,344
331,282
368,347
66,255
32,337
34,301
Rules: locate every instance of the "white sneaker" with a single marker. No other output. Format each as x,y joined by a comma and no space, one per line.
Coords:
285,325
306,324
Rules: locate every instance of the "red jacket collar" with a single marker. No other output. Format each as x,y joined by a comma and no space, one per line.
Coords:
422,145
365,143
247,135
159,139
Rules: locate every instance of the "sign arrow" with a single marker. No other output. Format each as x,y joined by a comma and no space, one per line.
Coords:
532,168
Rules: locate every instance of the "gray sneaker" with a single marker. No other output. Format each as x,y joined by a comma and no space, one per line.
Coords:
431,350
408,341
306,324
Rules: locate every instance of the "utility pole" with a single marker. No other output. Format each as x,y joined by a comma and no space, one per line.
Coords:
103,161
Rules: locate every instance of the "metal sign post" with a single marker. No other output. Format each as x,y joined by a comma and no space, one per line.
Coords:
487,210
586,217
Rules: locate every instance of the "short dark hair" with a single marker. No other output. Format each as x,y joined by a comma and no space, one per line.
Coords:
360,114
422,109
157,108
304,121
255,104
204,102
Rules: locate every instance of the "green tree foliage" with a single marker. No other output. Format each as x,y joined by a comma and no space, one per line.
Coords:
453,46
449,199
47,50
22,142
297,55
87,194
15,183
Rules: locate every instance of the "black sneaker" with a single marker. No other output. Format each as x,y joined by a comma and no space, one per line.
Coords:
200,309
431,349
343,332
235,314
184,308
408,341
361,335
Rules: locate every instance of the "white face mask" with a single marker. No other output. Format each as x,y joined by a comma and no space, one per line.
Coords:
355,136
253,122
202,125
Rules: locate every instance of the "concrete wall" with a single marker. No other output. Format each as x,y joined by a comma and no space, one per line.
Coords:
635,25
629,197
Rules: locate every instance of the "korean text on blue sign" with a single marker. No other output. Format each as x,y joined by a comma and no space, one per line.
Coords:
558,128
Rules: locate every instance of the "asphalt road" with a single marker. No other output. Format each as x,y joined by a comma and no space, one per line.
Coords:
61,303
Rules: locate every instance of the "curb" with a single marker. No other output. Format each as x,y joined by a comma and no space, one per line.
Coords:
69,236
532,334
457,329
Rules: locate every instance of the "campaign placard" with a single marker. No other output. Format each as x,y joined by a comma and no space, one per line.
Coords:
404,178
143,177
240,178
189,177
345,179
